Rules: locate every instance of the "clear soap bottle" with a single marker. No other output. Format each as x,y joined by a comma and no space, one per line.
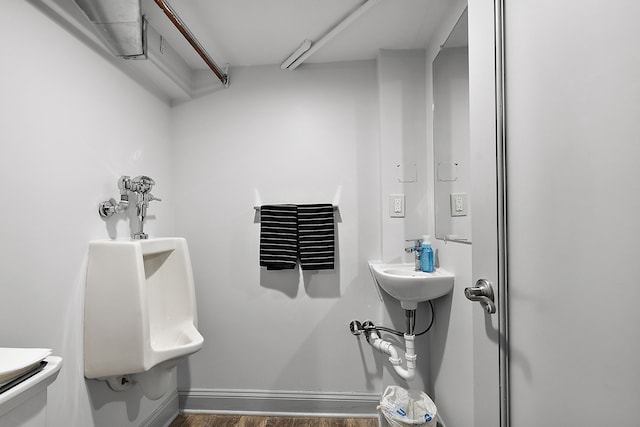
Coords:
426,255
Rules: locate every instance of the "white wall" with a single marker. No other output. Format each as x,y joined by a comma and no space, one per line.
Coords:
403,170
451,341
403,166
280,137
70,125
573,102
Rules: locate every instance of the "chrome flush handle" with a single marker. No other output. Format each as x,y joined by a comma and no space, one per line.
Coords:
482,292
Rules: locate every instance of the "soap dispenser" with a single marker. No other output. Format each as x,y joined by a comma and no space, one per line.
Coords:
426,255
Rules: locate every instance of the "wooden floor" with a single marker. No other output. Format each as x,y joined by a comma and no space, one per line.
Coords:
198,420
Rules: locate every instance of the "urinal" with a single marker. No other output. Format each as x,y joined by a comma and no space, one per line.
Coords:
140,312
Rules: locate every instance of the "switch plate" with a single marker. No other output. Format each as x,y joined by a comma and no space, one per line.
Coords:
396,206
458,204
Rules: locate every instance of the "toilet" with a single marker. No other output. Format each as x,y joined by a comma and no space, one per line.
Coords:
140,312
25,374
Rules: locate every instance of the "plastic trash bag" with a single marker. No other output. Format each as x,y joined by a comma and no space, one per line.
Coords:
402,408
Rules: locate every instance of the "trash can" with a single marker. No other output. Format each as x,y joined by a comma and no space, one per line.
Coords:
404,408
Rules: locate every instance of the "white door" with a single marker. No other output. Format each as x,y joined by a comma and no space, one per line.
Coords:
490,408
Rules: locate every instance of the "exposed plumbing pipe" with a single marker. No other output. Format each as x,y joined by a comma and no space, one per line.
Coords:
388,348
371,333
141,187
305,53
184,30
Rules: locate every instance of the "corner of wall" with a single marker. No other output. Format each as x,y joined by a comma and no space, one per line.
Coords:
403,168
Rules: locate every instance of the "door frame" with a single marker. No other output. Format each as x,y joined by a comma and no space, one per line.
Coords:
490,331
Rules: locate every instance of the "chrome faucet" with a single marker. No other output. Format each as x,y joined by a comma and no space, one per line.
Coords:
417,245
141,187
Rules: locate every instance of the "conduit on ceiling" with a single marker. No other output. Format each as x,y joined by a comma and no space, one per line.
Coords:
122,27
308,48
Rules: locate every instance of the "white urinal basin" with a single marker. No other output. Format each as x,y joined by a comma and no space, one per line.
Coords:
140,308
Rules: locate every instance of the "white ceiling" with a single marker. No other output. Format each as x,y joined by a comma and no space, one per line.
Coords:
257,32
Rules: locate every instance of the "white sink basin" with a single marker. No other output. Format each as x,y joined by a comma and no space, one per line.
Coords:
410,287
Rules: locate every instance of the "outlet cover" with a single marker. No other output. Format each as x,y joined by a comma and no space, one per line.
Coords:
396,205
458,204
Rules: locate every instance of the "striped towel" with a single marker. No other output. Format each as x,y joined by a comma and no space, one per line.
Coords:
278,237
316,239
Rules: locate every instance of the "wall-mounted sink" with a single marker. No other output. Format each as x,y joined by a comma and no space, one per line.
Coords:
410,287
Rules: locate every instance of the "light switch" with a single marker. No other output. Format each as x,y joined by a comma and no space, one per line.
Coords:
458,204
396,206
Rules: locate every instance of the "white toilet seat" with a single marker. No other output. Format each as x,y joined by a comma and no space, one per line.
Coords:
16,362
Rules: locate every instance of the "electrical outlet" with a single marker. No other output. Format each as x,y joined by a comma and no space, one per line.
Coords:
396,205
458,204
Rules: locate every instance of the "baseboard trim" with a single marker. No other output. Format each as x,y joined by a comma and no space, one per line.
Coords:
165,413
279,403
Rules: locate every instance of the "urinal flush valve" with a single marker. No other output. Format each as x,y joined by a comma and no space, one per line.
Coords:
140,187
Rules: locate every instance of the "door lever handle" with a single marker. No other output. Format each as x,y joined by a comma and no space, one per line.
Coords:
482,292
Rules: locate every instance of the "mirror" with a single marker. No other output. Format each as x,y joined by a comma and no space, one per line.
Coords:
451,136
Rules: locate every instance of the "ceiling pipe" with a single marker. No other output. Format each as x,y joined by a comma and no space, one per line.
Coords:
184,30
300,54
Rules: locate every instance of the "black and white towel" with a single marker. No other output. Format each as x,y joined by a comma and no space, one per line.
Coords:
278,237
316,237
